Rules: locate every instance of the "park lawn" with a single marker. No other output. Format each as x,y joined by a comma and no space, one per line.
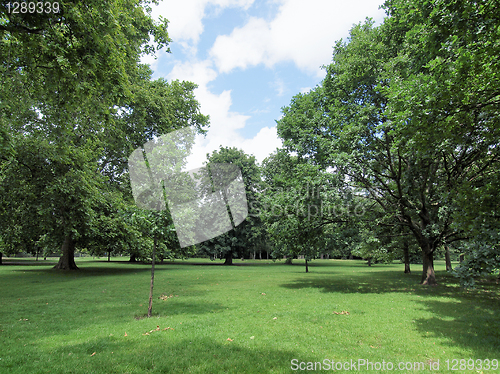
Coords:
254,317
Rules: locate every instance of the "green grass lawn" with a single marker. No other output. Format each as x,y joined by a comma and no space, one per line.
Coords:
255,317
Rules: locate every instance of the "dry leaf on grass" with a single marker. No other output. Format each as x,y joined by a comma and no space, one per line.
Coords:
92,354
229,339
165,297
157,329
343,312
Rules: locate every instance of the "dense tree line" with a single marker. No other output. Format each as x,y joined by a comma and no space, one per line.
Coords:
408,116
394,155
75,101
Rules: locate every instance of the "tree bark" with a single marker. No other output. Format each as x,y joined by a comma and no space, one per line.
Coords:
428,275
406,252
109,256
150,307
462,258
369,262
307,267
1,258
67,260
447,258
133,257
229,258
288,260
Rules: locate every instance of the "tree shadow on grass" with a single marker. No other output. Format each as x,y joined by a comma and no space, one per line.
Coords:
378,282
388,281
219,262
165,352
465,318
13,261
467,323
92,271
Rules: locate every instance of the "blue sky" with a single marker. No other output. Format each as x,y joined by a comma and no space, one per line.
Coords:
249,58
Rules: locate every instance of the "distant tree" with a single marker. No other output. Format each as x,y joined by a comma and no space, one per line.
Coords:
299,202
246,235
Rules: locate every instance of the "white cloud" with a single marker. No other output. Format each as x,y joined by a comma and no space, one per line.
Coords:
264,143
224,124
150,60
303,32
186,17
279,86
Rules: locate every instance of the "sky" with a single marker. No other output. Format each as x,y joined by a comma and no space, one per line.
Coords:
249,58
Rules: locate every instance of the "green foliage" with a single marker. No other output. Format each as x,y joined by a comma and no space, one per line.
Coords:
408,116
300,200
74,102
249,234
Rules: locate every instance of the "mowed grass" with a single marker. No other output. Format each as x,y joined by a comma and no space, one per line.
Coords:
255,317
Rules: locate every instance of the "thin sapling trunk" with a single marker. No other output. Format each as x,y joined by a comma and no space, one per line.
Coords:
152,278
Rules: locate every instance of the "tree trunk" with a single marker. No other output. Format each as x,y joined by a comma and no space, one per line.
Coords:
109,256
288,260
369,262
462,258
428,275
307,267
260,255
133,257
1,258
150,307
406,252
229,258
67,260
447,258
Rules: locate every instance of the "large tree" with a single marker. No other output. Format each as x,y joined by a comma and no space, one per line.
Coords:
401,116
300,200
245,235
75,101
446,99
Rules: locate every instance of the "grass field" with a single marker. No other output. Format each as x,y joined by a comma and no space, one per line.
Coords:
255,317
